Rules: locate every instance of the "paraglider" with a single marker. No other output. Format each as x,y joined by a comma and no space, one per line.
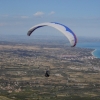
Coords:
62,28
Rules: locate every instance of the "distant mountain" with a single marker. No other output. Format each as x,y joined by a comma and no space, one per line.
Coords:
42,38
88,39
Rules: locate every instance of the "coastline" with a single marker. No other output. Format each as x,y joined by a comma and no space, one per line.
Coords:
93,53
95,46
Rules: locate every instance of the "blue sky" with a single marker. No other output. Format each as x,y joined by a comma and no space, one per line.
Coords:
82,16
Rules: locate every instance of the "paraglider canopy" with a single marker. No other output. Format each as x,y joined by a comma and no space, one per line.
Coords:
62,28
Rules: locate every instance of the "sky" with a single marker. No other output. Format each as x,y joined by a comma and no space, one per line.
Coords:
81,16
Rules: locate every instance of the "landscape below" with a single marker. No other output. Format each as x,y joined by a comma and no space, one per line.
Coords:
74,72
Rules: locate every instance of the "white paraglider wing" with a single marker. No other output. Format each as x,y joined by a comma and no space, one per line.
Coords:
62,28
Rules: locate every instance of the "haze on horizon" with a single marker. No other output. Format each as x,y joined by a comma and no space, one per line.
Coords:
83,17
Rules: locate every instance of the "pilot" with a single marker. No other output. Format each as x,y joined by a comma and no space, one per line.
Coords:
47,74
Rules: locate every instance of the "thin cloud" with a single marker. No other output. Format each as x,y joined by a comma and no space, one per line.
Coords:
2,24
24,17
38,14
51,13
4,15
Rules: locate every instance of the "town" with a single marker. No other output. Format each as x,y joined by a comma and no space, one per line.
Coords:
74,72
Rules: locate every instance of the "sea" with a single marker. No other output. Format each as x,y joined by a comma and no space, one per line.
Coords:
91,45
